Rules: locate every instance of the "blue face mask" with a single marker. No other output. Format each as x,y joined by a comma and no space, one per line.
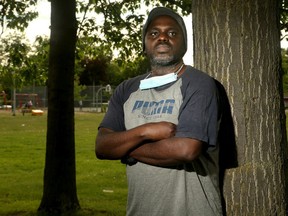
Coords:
159,80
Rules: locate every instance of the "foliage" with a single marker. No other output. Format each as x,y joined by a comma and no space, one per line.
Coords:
285,85
93,64
94,70
78,88
284,54
16,14
119,27
13,62
284,17
96,65
22,63
116,74
38,59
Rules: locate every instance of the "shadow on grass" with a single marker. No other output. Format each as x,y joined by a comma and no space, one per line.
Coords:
81,212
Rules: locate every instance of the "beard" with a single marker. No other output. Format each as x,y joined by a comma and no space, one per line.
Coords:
165,59
162,60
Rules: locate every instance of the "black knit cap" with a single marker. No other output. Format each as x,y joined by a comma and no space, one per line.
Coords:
163,11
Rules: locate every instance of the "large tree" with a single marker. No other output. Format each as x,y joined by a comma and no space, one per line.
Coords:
59,176
237,42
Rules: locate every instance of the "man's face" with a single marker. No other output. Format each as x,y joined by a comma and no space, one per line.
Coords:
164,41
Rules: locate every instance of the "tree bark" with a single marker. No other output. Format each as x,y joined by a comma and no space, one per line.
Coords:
59,194
238,43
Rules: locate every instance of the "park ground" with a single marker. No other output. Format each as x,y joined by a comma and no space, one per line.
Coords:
101,185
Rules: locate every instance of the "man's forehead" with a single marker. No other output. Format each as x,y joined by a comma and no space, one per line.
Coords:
164,19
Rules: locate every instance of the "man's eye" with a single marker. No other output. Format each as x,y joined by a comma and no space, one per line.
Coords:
171,34
154,34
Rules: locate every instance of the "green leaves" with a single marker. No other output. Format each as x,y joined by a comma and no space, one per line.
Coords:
17,14
284,17
28,64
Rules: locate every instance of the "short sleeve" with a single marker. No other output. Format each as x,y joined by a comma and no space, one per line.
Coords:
114,118
198,116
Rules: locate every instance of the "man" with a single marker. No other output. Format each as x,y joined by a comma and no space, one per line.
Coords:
164,126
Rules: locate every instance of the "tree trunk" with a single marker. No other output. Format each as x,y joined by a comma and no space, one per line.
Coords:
238,43
59,194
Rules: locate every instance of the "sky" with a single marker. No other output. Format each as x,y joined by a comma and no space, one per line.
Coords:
40,26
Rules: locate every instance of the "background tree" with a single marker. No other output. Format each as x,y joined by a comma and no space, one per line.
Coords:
126,70
22,63
59,194
16,14
284,55
78,88
39,62
238,44
93,61
284,18
14,62
94,72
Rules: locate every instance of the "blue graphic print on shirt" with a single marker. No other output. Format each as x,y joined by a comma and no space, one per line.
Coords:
154,107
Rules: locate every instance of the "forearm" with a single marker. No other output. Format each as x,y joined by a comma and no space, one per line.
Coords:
114,145
168,152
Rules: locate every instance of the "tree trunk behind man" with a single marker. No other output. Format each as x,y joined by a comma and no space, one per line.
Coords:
59,193
238,43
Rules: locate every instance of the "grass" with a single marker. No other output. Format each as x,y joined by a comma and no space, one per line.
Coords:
101,185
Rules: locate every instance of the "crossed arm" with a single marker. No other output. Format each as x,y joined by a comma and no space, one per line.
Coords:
151,143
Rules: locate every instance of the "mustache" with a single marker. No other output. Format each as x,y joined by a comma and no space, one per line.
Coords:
163,43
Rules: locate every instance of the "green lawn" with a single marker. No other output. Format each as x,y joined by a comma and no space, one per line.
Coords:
101,185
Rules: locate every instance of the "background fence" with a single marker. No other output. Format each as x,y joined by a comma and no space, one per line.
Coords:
92,98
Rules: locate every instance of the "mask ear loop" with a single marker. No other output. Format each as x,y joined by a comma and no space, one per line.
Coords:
177,72
147,75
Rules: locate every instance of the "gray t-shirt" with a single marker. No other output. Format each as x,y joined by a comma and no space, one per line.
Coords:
190,103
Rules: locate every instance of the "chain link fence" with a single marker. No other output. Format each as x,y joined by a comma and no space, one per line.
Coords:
92,98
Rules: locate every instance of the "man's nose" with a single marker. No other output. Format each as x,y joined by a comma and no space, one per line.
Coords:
163,37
